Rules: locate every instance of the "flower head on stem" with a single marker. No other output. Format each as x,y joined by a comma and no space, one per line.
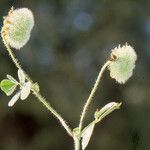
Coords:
17,27
122,63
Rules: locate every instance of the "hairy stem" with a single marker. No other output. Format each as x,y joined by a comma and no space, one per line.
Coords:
13,58
53,111
77,143
92,94
37,94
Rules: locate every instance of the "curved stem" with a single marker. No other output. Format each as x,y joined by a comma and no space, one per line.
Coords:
92,94
13,58
35,93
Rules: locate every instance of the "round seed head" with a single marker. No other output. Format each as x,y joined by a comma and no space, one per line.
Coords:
17,27
122,63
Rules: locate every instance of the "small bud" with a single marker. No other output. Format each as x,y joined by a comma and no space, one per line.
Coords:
17,27
122,63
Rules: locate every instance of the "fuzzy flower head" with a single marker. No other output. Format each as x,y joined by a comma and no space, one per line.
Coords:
122,63
17,27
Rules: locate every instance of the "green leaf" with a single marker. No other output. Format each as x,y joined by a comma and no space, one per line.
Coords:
107,109
8,86
86,134
11,90
99,115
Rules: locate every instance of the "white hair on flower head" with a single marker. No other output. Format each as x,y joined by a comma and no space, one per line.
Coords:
123,63
17,27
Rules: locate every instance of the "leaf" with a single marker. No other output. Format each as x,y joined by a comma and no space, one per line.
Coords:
14,99
107,109
8,86
11,90
12,79
21,76
25,91
86,134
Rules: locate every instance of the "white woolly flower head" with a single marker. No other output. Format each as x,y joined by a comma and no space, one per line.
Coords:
17,27
122,63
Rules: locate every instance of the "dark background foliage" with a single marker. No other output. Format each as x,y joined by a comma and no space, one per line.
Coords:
71,40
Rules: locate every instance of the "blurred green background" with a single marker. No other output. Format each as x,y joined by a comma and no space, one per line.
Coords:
70,42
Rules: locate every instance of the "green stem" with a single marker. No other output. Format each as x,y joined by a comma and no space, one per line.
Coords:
53,111
90,98
77,143
13,58
35,93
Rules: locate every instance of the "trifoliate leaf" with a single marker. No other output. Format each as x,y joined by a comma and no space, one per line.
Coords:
14,99
21,76
25,91
86,134
107,109
7,86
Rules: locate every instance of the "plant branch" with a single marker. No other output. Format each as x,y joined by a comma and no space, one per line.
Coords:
92,94
35,93
13,58
77,143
